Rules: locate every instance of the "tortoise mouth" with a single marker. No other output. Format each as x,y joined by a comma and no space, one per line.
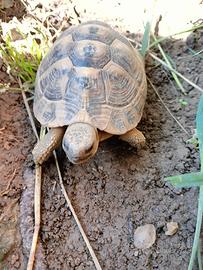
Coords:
79,160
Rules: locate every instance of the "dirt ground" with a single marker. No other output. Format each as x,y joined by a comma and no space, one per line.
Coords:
115,192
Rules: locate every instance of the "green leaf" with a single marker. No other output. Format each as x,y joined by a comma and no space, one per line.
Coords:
145,40
187,180
169,63
197,231
195,27
199,125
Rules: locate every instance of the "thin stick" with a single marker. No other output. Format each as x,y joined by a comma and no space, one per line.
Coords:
4,88
39,21
175,34
157,93
96,262
170,68
37,197
38,183
30,115
175,71
37,206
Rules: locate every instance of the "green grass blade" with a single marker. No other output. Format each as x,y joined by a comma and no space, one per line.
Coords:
197,230
199,125
200,26
145,41
179,84
186,180
194,53
199,255
163,63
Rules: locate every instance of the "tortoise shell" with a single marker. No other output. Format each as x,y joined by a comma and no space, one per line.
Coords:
92,74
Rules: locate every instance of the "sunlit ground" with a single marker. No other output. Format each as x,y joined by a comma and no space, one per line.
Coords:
177,15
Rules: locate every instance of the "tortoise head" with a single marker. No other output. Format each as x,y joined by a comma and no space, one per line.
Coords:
80,142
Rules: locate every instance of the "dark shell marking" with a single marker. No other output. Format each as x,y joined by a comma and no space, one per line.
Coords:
59,51
93,32
90,54
91,70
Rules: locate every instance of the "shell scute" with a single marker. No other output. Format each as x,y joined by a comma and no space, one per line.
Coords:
91,74
94,32
59,51
122,86
90,54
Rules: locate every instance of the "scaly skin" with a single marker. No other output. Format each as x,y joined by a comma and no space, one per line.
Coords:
44,148
134,137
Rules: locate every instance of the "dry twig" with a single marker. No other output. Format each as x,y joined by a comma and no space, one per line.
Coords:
176,72
160,98
96,262
37,207
37,199
159,60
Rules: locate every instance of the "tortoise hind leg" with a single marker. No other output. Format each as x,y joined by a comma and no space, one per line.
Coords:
134,137
44,148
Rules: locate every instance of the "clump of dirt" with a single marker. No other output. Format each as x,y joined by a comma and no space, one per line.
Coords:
11,8
115,192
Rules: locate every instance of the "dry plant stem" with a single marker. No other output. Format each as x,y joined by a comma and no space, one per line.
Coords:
170,68
96,262
4,88
155,90
37,197
37,203
29,114
176,72
39,21
38,183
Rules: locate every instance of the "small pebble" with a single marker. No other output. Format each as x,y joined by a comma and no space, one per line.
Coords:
172,228
145,236
136,253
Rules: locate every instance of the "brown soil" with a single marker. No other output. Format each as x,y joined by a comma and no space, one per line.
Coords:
115,192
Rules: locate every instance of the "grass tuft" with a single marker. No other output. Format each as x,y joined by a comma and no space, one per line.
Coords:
22,49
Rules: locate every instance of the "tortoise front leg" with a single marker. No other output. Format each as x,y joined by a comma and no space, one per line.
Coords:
44,148
134,137
104,136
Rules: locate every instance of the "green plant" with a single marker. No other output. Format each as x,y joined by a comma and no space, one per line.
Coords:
145,40
194,140
183,102
22,49
194,180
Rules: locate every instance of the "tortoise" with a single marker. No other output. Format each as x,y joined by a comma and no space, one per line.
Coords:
90,86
